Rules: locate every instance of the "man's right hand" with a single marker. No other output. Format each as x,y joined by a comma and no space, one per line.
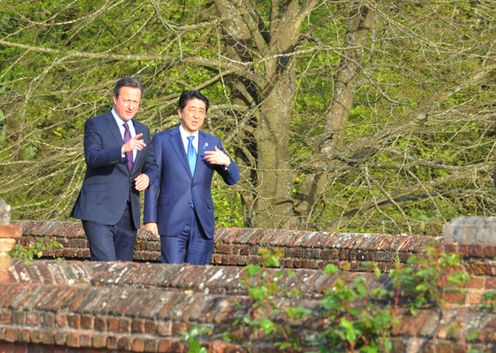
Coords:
134,144
152,228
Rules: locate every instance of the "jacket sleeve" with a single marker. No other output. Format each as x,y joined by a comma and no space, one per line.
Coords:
230,175
150,167
151,194
94,152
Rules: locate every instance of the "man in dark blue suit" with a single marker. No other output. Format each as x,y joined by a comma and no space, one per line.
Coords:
178,204
118,166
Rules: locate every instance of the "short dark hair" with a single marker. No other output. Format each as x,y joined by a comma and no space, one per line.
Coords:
128,82
192,94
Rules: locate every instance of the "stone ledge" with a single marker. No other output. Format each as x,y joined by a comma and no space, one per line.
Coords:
471,230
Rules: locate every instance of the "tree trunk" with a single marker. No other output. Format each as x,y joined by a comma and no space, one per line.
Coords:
361,21
270,90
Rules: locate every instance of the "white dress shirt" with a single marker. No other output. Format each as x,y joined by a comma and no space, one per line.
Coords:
184,138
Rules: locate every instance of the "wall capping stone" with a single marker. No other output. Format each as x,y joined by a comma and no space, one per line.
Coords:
470,231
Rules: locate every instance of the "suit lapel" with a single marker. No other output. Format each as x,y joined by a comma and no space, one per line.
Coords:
114,129
179,148
139,129
203,145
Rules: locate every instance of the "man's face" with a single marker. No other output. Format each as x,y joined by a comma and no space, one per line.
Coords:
193,115
128,103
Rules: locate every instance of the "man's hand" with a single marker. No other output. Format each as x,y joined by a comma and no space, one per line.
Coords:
141,182
133,144
152,228
217,157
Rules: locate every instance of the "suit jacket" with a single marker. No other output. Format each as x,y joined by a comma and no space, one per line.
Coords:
107,182
170,197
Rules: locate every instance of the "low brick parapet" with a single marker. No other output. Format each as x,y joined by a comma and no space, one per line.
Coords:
142,306
111,313
240,246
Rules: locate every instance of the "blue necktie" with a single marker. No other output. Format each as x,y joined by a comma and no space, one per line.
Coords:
191,155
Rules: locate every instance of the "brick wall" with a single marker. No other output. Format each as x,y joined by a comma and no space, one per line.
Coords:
240,246
83,306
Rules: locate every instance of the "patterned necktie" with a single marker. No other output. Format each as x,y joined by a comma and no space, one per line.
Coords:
191,155
129,155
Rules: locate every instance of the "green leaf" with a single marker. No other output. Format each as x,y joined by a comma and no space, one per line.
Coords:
268,326
331,269
350,331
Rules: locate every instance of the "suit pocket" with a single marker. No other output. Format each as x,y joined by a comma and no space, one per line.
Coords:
95,187
95,193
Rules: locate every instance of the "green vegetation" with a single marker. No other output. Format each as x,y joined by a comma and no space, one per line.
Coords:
351,317
369,116
34,250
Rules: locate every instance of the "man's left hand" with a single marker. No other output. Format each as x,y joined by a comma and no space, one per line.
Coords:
217,157
141,182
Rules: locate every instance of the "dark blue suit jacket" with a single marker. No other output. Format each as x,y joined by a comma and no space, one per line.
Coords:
168,199
107,182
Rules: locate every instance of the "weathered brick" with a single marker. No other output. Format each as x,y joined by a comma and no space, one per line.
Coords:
475,282
151,345
124,325
476,250
473,297
60,337
73,339
85,340
47,320
150,327
60,320
490,251
87,322
112,341
10,334
74,320
19,317
455,297
101,324
490,283
138,326
113,324
164,328
138,345
5,317
124,343
169,345
23,335
99,341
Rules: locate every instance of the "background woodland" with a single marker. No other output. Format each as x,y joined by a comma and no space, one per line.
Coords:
369,116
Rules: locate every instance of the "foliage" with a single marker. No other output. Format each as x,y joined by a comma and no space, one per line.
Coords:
418,137
351,318
427,278
488,301
262,315
37,249
192,339
354,319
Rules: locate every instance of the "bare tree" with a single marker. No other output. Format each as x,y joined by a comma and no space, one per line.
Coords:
344,115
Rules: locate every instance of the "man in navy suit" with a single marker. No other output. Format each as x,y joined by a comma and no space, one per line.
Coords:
178,203
118,166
